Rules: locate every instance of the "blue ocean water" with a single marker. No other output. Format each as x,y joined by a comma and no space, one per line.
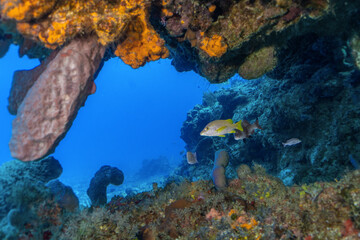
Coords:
135,114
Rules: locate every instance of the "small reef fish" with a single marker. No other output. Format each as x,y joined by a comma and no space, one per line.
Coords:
291,142
191,158
248,130
220,128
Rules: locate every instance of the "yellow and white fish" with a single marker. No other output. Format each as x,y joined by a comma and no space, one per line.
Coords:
220,128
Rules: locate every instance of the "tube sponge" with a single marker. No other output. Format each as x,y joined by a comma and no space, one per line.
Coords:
103,177
218,172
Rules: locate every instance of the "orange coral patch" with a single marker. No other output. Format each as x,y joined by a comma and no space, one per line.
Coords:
25,10
250,225
142,44
71,18
212,8
213,46
167,13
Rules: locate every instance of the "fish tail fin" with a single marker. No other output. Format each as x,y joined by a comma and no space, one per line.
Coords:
283,144
238,126
257,124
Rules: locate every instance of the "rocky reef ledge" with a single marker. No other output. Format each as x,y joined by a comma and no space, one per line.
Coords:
253,206
216,39
314,97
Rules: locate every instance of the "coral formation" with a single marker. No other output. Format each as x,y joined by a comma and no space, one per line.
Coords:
142,44
213,46
229,30
51,102
255,206
27,207
121,22
312,102
103,177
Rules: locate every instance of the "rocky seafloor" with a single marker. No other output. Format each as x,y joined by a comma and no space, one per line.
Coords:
254,205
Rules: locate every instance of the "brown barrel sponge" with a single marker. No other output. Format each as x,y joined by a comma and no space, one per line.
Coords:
218,177
221,158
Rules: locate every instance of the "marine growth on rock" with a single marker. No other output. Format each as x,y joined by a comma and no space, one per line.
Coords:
216,39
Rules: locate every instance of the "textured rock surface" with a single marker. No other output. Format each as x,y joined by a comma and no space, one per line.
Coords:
105,176
14,175
51,104
64,195
245,27
317,101
213,38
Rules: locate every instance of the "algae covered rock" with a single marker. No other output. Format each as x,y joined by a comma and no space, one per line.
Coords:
14,174
258,63
64,195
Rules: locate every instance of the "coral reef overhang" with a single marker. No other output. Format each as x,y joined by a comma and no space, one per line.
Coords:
216,39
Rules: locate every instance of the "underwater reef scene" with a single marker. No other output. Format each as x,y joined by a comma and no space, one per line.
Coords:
273,156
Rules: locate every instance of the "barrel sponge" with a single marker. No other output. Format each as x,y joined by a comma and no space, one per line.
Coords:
219,178
218,173
103,177
221,158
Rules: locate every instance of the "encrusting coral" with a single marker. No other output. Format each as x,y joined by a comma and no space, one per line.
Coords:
111,21
254,206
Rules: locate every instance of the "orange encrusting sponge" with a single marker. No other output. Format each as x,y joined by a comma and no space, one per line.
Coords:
213,46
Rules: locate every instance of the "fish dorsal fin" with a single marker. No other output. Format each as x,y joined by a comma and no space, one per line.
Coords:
220,128
229,121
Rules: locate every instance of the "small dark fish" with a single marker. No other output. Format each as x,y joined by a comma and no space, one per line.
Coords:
191,158
291,142
248,130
